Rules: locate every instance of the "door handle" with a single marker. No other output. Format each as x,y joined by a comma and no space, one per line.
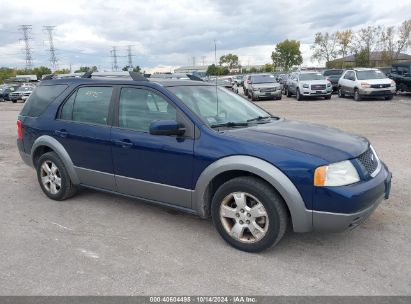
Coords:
124,143
61,133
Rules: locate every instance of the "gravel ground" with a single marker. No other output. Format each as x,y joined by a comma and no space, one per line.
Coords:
101,244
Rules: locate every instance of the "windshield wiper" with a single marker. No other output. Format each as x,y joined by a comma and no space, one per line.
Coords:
230,124
259,118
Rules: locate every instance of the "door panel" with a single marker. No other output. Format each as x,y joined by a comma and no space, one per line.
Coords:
153,167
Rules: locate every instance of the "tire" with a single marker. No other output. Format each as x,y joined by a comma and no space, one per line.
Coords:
46,177
340,93
280,97
246,92
288,93
357,96
298,95
253,98
272,216
388,97
328,97
14,101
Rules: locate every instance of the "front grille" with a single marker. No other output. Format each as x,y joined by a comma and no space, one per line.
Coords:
380,86
369,160
267,90
318,87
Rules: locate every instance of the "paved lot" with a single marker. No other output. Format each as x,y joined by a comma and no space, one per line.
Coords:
99,244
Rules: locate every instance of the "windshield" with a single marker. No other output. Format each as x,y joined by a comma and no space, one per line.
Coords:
311,76
333,72
371,74
263,79
232,108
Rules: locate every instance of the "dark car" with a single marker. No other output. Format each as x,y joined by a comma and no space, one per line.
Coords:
5,92
333,76
401,74
202,149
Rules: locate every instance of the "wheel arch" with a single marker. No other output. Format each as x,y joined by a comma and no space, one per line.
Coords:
45,144
232,166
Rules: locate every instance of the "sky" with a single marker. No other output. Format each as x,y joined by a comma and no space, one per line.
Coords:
166,34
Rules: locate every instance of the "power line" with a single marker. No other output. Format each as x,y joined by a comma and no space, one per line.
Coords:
26,29
113,53
53,59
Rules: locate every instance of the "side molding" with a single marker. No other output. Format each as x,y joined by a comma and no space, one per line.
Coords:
301,217
57,147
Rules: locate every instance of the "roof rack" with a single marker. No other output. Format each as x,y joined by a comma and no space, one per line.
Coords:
115,75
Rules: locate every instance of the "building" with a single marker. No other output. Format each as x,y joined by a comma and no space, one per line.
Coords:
377,59
192,69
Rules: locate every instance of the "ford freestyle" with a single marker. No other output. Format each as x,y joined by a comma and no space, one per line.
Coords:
202,149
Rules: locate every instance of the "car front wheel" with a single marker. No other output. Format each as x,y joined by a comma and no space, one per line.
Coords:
357,96
298,95
340,93
249,214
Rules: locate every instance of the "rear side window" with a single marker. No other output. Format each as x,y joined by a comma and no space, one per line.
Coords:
41,98
88,105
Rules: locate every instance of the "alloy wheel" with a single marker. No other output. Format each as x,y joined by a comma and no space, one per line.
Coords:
244,217
50,177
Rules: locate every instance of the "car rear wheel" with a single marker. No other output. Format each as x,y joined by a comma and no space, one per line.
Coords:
357,96
328,97
388,97
53,177
288,93
249,214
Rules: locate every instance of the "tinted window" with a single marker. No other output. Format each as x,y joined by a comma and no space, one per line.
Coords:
371,74
140,107
91,105
333,72
67,111
311,76
263,79
41,98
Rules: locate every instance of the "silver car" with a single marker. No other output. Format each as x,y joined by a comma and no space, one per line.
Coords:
308,84
263,86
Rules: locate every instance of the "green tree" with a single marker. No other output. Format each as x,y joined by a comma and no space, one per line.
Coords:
85,69
366,42
214,70
268,68
62,71
229,60
137,69
344,41
253,70
6,73
324,47
40,71
287,54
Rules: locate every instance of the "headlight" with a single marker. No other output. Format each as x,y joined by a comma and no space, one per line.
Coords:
392,83
254,89
365,84
337,174
329,84
305,86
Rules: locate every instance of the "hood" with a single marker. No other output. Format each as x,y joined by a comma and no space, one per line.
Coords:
265,85
377,81
327,143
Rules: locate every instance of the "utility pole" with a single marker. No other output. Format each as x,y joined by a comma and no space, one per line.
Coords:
26,29
130,56
203,59
53,59
114,56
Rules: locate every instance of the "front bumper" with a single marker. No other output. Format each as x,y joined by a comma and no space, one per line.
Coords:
263,94
379,190
309,92
384,92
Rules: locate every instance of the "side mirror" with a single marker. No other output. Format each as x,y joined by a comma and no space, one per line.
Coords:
166,127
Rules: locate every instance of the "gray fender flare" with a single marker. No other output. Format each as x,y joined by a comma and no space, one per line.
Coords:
301,217
57,147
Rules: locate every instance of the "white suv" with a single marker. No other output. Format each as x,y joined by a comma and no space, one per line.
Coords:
363,82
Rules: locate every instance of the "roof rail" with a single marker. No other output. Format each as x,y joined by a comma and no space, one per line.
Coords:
87,74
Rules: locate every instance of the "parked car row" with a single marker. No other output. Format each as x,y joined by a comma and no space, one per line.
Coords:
14,93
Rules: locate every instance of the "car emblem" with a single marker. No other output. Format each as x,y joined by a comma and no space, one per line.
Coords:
380,85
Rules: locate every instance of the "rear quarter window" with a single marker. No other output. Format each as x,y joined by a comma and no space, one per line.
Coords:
41,98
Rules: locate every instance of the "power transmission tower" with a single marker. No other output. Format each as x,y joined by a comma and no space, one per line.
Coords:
26,29
130,56
113,53
53,59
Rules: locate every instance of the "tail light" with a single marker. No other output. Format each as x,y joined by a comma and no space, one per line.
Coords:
19,129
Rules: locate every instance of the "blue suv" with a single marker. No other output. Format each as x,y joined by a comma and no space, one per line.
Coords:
202,149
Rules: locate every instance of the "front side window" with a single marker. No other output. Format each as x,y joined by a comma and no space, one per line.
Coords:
88,105
216,105
140,107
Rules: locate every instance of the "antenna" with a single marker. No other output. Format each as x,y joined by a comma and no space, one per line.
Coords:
26,29
53,59
113,53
